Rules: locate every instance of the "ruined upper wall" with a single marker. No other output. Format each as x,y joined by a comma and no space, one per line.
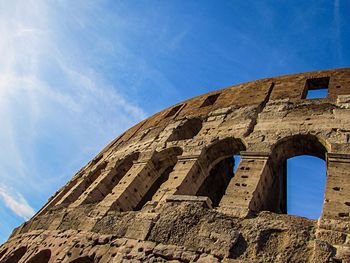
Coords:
290,87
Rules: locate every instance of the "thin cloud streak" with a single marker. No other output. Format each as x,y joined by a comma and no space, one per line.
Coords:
16,203
48,99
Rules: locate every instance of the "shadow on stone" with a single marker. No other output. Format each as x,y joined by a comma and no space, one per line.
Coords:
240,247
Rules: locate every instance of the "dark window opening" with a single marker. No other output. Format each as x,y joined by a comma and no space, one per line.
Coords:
210,100
186,131
317,88
214,186
154,188
42,257
221,160
173,111
306,180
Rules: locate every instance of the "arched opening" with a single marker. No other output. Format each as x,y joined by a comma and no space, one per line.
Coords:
85,259
306,181
15,256
83,184
42,257
3,252
163,163
222,160
99,190
276,186
186,131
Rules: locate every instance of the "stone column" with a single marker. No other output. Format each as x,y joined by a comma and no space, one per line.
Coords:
183,180
333,226
82,184
241,193
102,186
74,193
337,194
130,190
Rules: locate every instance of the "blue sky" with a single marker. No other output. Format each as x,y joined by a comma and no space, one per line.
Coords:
75,74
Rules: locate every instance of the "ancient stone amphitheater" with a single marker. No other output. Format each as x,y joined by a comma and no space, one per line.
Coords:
165,190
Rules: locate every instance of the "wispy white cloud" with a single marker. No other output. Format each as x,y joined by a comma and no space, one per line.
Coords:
56,108
17,203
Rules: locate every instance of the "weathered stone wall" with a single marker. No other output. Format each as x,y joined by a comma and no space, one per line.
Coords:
165,191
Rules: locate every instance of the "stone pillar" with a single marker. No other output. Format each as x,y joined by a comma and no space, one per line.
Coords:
337,194
333,226
241,192
183,180
113,173
83,183
94,191
130,190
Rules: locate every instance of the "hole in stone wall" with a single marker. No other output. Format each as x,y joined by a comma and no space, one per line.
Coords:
42,257
186,131
306,180
317,88
343,214
173,111
210,100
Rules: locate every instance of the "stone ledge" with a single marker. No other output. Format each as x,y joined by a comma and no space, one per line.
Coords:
338,157
190,198
255,155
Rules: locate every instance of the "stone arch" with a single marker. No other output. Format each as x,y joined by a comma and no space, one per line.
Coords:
300,144
42,257
271,193
186,130
217,164
15,256
163,163
100,189
221,149
84,182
